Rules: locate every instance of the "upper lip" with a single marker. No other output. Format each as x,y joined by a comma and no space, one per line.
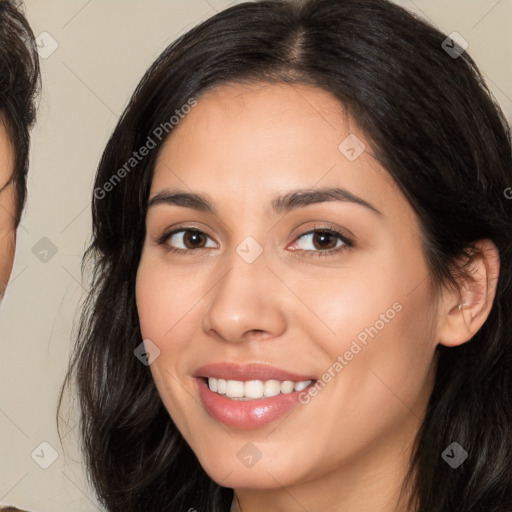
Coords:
250,371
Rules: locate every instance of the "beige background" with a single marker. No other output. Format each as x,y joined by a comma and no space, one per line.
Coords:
103,49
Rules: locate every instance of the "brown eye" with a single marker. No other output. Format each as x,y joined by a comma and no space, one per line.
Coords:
322,241
194,239
187,239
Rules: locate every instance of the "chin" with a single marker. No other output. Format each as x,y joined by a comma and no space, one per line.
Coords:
266,472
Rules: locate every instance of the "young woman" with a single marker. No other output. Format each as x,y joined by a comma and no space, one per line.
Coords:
302,273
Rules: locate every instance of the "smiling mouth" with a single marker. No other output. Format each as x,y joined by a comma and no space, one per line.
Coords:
249,396
254,389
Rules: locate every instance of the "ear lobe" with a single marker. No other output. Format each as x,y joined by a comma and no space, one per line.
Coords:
462,313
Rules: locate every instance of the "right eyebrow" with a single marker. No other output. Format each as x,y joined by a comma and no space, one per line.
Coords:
184,199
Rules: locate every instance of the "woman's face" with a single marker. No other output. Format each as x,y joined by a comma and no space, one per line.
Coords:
254,297
7,209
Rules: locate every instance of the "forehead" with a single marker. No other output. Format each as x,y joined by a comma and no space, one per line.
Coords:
262,111
249,140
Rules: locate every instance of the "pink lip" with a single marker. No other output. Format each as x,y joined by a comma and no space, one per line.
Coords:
245,372
250,414
246,415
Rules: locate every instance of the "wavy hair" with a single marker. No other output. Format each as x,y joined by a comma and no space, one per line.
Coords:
431,122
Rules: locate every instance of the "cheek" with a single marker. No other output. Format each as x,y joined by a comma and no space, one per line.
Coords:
7,239
356,301
169,307
151,298
164,295
164,304
7,247
382,323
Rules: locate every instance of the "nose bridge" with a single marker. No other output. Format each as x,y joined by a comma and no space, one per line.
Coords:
241,301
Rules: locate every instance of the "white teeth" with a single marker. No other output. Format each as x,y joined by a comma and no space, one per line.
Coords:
213,384
287,387
299,386
272,388
221,386
254,389
235,389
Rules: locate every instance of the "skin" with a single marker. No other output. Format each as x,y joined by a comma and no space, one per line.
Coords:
7,210
348,449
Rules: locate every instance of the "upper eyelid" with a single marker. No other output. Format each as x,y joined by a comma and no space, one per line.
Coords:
347,239
168,233
339,233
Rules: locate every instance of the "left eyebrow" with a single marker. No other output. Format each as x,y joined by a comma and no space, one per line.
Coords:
305,197
282,203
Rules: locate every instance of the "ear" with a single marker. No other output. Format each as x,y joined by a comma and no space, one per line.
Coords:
462,313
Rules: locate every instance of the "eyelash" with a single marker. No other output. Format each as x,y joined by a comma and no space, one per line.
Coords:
347,242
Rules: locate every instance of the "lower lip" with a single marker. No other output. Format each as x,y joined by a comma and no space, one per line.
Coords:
247,414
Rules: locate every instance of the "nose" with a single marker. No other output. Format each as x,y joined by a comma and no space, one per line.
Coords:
246,304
